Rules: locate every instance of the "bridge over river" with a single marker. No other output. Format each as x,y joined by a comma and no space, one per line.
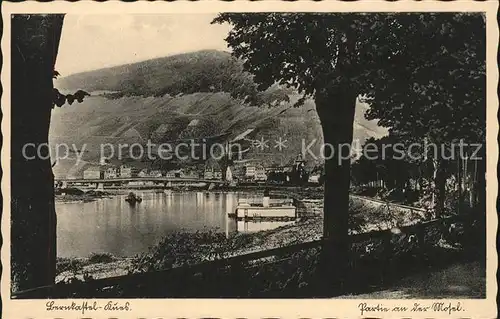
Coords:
100,183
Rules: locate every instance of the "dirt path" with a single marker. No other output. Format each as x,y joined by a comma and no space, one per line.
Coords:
456,281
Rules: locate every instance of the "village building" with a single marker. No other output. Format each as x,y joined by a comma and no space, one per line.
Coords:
155,173
238,172
176,173
93,172
260,174
111,172
150,173
143,173
170,174
208,174
179,173
314,179
217,173
229,174
191,174
127,171
275,169
250,171
212,170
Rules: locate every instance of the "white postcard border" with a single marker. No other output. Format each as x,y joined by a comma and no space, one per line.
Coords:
270,308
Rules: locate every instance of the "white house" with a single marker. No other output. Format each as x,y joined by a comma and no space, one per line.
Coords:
314,179
127,171
94,172
170,174
143,173
250,171
260,174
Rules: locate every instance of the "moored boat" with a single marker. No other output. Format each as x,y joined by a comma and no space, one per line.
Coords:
132,198
269,209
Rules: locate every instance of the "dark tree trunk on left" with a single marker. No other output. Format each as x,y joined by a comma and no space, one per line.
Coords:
35,39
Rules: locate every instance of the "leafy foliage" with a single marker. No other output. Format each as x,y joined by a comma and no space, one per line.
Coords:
101,258
381,161
437,87
60,99
422,74
402,64
321,49
183,248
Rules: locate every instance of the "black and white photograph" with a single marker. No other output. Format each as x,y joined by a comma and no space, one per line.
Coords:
259,154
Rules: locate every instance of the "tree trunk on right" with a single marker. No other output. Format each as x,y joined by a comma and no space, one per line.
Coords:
336,112
459,185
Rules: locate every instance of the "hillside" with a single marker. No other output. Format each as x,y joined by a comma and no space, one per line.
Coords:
183,97
201,71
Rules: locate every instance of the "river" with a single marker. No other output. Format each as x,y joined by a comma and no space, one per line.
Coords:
111,225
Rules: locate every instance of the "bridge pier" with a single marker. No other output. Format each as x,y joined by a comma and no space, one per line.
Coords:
100,186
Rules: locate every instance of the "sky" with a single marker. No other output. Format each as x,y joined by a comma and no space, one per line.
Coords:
90,42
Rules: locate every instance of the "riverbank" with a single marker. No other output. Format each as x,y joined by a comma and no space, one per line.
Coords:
458,269
364,217
76,195
237,244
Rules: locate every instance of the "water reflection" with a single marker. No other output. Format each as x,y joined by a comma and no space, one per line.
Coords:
244,226
112,225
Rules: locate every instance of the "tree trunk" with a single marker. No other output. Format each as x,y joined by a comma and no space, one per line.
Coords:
223,165
480,193
459,184
439,186
481,185
473,188
420,180
336,112
35,39
465,176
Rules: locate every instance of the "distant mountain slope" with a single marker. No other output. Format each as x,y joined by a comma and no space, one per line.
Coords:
201,71
184,97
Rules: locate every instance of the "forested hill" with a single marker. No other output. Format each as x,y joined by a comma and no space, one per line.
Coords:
201,71
185,96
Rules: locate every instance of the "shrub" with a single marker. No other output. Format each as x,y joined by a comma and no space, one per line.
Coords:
180,248
96,258
73,265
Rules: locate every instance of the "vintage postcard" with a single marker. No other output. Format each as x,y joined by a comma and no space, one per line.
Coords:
249,159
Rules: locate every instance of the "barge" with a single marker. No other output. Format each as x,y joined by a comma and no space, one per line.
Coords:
269,209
